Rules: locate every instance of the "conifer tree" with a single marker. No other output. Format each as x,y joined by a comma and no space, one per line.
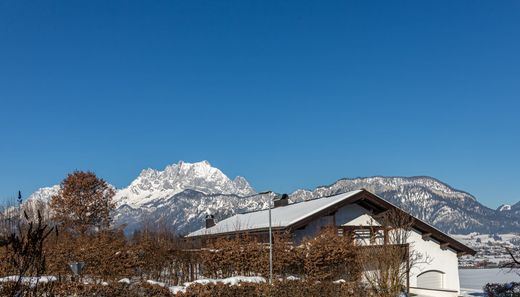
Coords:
20,198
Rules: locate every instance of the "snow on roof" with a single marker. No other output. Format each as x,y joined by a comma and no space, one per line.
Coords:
282,216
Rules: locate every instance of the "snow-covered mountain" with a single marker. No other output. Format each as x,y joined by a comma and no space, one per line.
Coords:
182,194
510,210
504,207
44,194
429,199
516,207
153,185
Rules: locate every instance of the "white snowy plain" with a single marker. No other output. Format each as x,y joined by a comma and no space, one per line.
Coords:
473,280
232,281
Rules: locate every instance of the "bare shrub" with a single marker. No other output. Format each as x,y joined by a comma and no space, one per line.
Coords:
330,257
241,255
105,254
325,257
287,259
156,254
24,256
502,290
278,289
110,290
386,267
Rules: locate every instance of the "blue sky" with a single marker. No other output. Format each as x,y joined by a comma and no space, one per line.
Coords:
289,94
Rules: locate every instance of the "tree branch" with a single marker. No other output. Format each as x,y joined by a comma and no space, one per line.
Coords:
514,263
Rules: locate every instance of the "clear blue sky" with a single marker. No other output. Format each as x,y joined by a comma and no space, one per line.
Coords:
289,94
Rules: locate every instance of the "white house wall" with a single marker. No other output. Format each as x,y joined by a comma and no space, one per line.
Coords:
442,260
351,214
445,261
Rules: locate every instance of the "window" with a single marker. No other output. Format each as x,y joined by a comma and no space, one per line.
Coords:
432,279
362,236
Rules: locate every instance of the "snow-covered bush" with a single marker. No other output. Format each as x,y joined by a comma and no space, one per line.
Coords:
502,290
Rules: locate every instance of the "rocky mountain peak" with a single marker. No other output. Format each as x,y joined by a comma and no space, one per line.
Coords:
44,194
152,184
243,185
183,193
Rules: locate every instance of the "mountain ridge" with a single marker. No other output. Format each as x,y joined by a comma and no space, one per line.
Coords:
402,176
182,193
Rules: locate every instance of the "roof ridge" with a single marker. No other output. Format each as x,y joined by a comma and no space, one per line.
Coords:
283,216
298,202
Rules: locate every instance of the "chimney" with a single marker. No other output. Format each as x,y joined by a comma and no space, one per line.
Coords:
210,221
281,201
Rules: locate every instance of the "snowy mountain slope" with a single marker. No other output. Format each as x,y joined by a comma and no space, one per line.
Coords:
182,194
504,207
44,194
428,199
186,211
510,210
152,185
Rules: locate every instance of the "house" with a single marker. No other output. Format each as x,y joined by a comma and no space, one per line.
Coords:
354,212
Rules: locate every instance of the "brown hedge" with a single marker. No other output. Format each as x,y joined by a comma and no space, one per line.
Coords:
278,289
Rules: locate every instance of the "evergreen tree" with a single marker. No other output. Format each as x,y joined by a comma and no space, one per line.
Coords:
20,198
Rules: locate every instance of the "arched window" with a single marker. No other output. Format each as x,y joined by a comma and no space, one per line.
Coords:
431,279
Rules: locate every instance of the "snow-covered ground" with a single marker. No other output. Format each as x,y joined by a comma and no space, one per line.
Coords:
28,280
491,248
232,281
472,280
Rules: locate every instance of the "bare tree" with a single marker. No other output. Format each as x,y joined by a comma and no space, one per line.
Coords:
513,263
388,258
